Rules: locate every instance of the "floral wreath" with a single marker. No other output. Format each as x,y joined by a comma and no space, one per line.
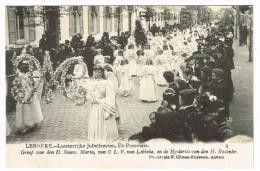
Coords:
47,67
25,87
76,94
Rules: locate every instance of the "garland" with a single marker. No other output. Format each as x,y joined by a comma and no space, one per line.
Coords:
76,94
47,67
24,87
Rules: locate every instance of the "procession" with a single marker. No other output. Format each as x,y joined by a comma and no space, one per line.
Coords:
182,71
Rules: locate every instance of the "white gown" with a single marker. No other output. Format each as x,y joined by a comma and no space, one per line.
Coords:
102,124
161,68
28,114
130,54
140,60
81,76
148,86
127,82
99,59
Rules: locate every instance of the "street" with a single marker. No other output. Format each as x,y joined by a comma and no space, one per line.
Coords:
65,122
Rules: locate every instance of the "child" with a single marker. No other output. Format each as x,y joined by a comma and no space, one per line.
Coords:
117,64
161,68
131,55
28,109
140,62
127,83
148,87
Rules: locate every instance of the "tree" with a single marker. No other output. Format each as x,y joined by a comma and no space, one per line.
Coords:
227,16
149,13
118,14
50,19
166,15
139,34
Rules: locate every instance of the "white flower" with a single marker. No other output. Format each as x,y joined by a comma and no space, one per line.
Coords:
212,98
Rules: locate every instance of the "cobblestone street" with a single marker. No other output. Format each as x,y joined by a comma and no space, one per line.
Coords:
65,122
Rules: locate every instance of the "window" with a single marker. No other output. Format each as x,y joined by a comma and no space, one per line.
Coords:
21,27
75,20
19,23
75,16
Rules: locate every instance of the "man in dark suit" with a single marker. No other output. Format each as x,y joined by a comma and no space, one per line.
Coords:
219,88
185,112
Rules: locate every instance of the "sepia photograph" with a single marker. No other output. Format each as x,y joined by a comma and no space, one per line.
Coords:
108,73
129,73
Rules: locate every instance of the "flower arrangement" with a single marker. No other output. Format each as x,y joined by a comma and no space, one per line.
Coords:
47,68
75,93
24,86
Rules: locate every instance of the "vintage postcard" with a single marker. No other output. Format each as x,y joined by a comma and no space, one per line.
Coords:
157,86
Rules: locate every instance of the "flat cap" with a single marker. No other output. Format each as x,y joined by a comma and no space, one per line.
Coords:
218,71
187,93
206,69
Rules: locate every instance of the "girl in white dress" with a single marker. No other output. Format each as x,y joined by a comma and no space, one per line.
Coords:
102,124
110,76
131,56
160,61
28,108
148,86
99,58
127,83
140,60
80,75
148,52
117,64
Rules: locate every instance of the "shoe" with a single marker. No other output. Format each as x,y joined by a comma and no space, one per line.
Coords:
25,130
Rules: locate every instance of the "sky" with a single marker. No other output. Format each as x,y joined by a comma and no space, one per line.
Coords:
216,8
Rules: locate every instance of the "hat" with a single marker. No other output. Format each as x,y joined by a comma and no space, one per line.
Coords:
108,67
25,61
211,64
198,56
124,60
206,69
207,50
184,55
196,53
107,57
203,100
189,93
98,67
188,70
218,71
120,52
170,91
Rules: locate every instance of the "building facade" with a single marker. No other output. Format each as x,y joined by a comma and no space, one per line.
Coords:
25,25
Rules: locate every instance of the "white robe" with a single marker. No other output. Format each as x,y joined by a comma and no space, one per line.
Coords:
29,114
102,126
161,62
130,54
127,82
148,86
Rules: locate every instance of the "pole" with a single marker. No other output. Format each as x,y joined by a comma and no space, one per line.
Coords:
250,41
118,25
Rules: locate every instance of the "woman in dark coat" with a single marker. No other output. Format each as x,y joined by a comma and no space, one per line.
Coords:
89,54
106,46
